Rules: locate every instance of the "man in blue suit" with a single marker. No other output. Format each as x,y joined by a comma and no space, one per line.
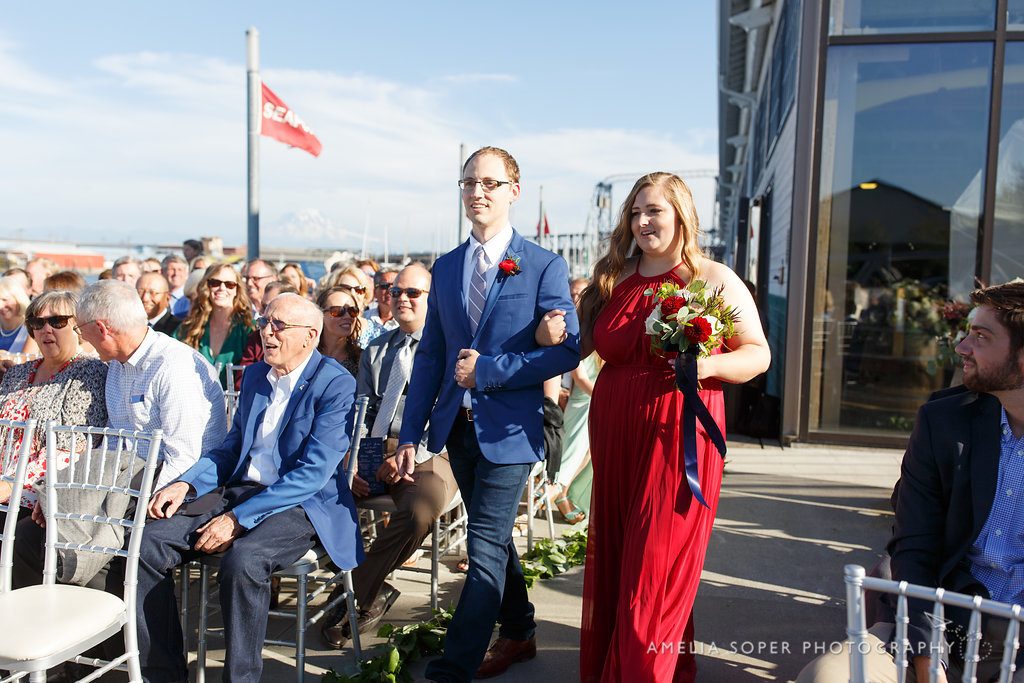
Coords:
477,377
263,498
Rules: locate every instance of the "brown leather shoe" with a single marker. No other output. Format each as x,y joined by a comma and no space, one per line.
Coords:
504,653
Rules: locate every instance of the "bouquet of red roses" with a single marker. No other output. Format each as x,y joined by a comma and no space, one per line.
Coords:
692,319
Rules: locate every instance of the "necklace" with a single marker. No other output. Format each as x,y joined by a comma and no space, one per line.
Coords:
11,333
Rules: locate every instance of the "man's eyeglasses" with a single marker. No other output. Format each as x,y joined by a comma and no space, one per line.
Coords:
214,283
57,322
154,293
410,292
338,311
276,325
489,184
384,286
78,327
254,278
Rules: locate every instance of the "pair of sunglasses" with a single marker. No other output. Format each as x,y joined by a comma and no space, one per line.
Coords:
276,325
214,283
338,311
348,288
57,322
410,292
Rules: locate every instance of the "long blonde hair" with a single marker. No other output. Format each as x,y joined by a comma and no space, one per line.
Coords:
193,327
610,266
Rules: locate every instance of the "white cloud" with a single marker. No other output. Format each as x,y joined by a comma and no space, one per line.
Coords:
151,147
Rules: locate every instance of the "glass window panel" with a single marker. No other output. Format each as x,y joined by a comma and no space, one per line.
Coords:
902,160
1015,15
852,17
1008,229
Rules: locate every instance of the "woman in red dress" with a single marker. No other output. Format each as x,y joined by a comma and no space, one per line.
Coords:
648,537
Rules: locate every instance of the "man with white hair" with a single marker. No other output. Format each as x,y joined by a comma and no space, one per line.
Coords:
264,496
153,381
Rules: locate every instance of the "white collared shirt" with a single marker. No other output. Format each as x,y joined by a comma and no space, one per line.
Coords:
265,460
167,385
495,249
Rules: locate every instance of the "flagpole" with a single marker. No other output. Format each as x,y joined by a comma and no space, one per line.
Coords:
462,211
540,220
252,42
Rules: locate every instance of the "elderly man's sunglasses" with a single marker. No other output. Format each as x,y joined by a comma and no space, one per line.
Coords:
277,325
338,311
410,292
57,322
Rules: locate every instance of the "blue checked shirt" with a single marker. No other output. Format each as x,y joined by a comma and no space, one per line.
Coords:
997,555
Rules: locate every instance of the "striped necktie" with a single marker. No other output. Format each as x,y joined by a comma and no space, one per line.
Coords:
477,290
401,368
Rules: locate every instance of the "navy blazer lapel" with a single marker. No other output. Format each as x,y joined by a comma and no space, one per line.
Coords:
460,267
515,251
985,452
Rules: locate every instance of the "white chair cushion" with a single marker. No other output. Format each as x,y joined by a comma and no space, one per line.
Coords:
51,619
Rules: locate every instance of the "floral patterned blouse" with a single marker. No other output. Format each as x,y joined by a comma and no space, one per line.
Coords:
75,395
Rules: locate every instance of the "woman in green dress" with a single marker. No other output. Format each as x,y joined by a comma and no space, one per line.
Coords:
220,319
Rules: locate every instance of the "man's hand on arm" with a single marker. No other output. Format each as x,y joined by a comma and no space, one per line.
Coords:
551,329
465,368
218,534
405,462
167,500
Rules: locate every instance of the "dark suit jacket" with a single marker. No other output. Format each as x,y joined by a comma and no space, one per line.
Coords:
167,323
947,484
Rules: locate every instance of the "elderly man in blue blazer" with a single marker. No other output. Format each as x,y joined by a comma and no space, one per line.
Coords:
263,498
477,377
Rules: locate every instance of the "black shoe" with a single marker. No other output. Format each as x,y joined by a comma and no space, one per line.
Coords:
335,629
369,618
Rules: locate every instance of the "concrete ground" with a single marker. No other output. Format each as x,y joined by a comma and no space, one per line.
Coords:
772,592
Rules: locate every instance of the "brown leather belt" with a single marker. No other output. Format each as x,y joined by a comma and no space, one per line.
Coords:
466,414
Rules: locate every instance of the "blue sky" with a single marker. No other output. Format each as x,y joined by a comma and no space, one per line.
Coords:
126,120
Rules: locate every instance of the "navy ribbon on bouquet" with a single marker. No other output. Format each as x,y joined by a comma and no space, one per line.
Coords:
693,410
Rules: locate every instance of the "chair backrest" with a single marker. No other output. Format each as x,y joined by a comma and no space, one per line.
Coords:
99,464
15,450
232,377
856,628
358,420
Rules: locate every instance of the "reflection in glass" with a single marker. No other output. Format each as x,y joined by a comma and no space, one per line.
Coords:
903,147
1008,231
1015,15
851,17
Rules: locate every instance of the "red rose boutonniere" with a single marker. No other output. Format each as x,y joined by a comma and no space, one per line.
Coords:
510,266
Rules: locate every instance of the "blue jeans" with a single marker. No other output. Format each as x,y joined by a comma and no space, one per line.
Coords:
495,590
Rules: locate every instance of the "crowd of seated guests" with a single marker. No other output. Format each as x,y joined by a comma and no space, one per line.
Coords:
137,350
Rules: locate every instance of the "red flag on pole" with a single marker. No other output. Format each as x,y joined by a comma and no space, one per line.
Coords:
278,121
542,225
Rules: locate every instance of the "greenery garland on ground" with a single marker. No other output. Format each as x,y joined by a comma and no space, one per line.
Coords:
406,644
551,557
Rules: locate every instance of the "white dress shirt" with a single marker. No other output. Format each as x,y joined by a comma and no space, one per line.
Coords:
170,386
264,458
495,249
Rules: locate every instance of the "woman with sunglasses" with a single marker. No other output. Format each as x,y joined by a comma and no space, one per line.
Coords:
14,336
64,385
343,324
220,319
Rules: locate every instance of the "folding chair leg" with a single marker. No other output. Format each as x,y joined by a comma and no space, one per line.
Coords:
300,628
37,677
350,598
529,513
551,519
435,549
204,596
183,576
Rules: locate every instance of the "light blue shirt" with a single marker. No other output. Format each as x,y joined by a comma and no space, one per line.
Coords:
997,555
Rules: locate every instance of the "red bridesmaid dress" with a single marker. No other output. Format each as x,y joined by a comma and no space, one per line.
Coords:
648,537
